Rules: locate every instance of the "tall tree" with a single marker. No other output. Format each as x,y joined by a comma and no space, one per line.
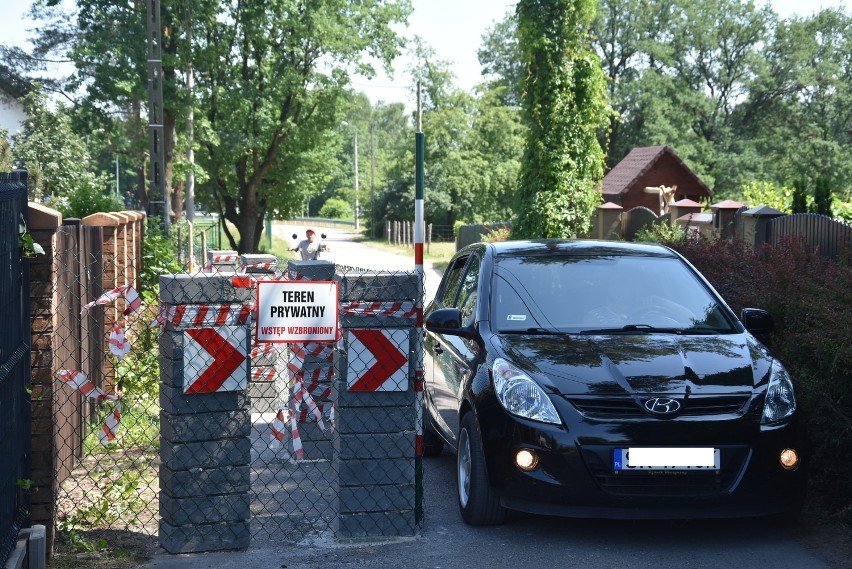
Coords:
271,77
564,106
500,58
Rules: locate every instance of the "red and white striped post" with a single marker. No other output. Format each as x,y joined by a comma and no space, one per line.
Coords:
420,150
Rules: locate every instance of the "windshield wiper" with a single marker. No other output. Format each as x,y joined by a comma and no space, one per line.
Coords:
633,328
540,331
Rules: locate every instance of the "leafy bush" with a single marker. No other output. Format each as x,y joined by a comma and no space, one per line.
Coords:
661,232
767,193
810,298
85,200
336,208
496,234
159,257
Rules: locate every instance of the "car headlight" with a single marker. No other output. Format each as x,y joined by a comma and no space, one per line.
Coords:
780,398
520,395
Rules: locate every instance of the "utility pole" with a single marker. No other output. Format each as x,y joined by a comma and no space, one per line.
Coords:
372,178
357,220
190,155
155,113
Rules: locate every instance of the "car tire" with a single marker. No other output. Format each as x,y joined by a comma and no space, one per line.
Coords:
478,503
433,445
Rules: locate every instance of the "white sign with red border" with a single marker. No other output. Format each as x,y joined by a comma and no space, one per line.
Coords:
215,359
297,311
378,359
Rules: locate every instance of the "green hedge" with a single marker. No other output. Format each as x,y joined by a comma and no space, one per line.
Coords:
810,298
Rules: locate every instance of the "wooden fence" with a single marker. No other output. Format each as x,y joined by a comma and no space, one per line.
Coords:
83,259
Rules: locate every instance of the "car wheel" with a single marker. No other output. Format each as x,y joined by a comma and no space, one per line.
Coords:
433,445
478,503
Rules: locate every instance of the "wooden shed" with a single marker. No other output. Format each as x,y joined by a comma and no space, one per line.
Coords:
652,167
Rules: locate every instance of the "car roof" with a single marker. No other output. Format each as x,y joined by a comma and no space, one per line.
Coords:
580,247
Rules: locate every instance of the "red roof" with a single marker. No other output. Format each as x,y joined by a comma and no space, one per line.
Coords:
687,203
727,204
622,177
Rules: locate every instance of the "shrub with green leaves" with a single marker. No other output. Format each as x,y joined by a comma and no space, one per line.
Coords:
810,298
336,208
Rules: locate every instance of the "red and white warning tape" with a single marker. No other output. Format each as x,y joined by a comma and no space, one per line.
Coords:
219,259
84,385
118,344
295,416
263,374
131,297
184,315
262,266
399,309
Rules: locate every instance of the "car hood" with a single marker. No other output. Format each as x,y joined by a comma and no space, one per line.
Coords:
638,363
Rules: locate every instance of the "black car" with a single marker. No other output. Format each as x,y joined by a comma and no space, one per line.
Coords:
605,379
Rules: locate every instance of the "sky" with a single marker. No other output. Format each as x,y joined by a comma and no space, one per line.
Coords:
453,28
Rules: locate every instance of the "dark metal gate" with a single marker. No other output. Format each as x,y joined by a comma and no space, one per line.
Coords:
14,362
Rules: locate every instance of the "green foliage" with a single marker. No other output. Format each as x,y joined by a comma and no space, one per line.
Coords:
740,94
159,257
661,232
29,248
766,193
56,158
336,208
114,497
273,118
5,151
842,211
497,234
564,106
800,197
500,58
86,200
810,298
822,196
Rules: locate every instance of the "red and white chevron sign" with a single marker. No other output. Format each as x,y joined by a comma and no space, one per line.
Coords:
378,359
214,359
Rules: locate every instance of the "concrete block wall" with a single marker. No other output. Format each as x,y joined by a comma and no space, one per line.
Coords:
204,439
375,454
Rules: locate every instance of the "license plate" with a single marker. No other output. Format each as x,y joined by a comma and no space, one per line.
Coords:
644,458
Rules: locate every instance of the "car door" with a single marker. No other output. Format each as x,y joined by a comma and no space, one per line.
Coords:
454,355
432,369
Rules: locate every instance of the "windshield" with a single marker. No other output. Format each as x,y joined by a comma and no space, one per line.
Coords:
602,294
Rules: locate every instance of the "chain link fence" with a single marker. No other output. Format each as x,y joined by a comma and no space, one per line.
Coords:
171,420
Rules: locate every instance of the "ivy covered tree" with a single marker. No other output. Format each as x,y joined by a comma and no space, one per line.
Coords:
564,106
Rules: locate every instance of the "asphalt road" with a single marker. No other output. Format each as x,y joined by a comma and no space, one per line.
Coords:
525,541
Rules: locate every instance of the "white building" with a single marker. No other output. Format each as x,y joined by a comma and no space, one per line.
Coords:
12,88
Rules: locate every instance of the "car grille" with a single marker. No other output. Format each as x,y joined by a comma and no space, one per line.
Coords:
598,407
668,483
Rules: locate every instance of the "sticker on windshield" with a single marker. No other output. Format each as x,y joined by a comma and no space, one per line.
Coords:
516,317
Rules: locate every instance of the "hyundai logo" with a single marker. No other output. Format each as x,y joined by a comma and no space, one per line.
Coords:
662,405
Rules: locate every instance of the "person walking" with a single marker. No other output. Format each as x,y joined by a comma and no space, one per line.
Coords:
309,248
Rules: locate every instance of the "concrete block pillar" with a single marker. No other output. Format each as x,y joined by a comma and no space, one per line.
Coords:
609,222
376,401
205,437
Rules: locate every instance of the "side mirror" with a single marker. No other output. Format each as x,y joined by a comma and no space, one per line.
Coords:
757,321
449,321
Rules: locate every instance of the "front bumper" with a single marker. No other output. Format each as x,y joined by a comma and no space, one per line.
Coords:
575,477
